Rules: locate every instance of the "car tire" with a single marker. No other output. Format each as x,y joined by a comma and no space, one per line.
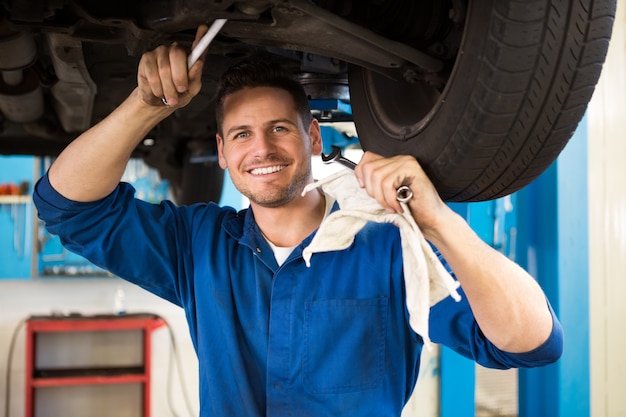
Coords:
520,85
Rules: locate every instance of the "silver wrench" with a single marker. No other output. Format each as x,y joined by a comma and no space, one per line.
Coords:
205,41
403,193
202,45
336,156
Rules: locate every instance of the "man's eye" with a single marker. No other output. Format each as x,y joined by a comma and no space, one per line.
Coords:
241,135
279,129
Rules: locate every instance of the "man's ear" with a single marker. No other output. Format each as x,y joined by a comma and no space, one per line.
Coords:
316,137
220,151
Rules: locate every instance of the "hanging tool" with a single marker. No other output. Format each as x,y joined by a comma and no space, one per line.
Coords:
403,193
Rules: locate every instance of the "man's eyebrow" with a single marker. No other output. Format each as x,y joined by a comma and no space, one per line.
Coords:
268,123
283,120
237,128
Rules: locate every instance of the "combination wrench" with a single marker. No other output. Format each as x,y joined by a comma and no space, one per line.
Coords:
403,193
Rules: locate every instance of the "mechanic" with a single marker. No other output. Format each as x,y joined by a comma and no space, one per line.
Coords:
272,336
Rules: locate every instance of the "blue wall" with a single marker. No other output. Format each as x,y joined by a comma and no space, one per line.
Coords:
16,220
553,243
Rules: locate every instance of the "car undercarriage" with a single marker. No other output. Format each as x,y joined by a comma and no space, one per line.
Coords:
409,69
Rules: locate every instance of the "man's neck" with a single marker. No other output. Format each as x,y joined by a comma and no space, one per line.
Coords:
290,224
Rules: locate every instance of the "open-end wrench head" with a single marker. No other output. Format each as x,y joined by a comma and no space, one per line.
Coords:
332,156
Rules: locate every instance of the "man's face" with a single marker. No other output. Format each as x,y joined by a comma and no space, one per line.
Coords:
265,147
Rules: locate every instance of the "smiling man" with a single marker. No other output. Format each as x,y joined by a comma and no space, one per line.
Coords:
266,139
273,336
275,131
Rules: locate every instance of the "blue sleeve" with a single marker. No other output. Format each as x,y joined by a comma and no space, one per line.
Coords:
453,324
148,244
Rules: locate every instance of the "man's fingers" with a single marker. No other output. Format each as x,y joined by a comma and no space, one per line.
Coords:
371,175
163,74
149,79
178,67
381,177
165,77
195,72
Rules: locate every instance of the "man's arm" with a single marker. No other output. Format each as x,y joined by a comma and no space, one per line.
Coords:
93,164
508,304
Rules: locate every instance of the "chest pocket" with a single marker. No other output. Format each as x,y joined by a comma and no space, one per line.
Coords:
345,344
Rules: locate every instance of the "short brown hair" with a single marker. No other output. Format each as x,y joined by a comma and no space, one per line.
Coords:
258,73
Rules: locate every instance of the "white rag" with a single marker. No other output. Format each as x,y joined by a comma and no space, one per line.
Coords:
426,280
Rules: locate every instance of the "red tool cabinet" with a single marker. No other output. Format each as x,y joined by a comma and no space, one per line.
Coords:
42,378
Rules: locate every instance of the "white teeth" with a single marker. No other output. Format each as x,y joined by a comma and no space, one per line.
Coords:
267,170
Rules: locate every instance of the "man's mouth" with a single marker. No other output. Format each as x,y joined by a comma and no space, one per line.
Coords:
267,170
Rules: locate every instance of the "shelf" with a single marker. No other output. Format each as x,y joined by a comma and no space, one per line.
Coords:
15,199
88,380
94,323
71,374
88,372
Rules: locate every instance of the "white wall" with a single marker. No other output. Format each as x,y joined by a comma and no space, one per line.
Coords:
20,299
607,229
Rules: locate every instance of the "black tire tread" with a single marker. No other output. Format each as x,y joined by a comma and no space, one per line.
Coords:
520,87
552,107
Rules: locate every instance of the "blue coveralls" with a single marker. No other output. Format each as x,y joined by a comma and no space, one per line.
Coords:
329,340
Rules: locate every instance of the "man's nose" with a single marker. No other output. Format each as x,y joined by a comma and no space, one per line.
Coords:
264,143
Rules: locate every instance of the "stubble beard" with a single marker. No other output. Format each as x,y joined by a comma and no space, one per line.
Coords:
278,197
